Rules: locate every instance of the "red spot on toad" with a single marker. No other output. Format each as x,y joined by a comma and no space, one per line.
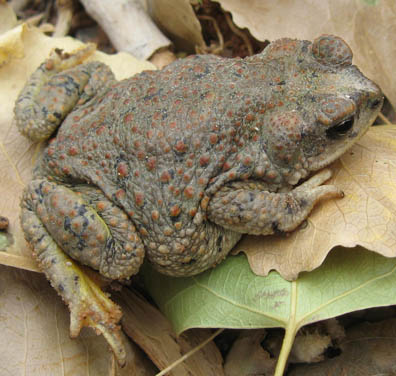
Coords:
189,192
128,117
139,198
120,194
180,146
165,177
175,210
122,169
249,117
204,160
213,138
73,150
151,163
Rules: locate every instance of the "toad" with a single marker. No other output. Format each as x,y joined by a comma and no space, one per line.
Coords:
175,165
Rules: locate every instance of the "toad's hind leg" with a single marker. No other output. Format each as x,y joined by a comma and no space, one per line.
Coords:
55,88
56,221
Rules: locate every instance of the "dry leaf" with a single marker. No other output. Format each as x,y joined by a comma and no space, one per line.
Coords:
368,349
247,356
7,17
179,21
365,216
34,326
149,328
369,27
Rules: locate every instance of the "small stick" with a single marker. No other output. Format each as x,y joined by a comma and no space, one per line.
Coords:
193,351
384,118
240,34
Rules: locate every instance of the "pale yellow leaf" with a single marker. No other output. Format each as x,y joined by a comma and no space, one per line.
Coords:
34,326
8,18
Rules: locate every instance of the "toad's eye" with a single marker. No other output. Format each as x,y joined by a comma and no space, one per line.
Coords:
340,129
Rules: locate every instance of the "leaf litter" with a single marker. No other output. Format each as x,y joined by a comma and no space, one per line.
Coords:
373,185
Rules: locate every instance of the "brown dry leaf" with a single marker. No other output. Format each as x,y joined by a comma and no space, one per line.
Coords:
179,21
368,26
34,326
33,320
365,216
149,328
247,356
368,349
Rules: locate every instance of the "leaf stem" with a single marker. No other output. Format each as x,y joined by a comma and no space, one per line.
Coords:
290,333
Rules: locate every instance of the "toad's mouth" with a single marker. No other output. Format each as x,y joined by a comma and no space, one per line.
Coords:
333,152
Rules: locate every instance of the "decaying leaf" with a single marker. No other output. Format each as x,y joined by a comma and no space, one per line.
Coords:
179,21
368,349
8,18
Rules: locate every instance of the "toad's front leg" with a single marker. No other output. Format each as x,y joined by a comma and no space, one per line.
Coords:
84,224
247,209
58,85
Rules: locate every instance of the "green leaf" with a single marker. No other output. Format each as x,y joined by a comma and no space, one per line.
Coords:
371,2
4,243
231,296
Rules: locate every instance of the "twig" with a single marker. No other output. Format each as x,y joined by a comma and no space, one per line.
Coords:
384,118
240,34
65,14
193,351
213,49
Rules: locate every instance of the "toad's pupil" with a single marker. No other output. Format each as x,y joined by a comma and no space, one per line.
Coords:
340,129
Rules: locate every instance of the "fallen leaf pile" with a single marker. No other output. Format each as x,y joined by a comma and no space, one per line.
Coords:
282,293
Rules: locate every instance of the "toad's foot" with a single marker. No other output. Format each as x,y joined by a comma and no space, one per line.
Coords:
245,207
88,304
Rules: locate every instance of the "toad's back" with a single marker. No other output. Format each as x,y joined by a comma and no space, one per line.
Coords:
155,142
